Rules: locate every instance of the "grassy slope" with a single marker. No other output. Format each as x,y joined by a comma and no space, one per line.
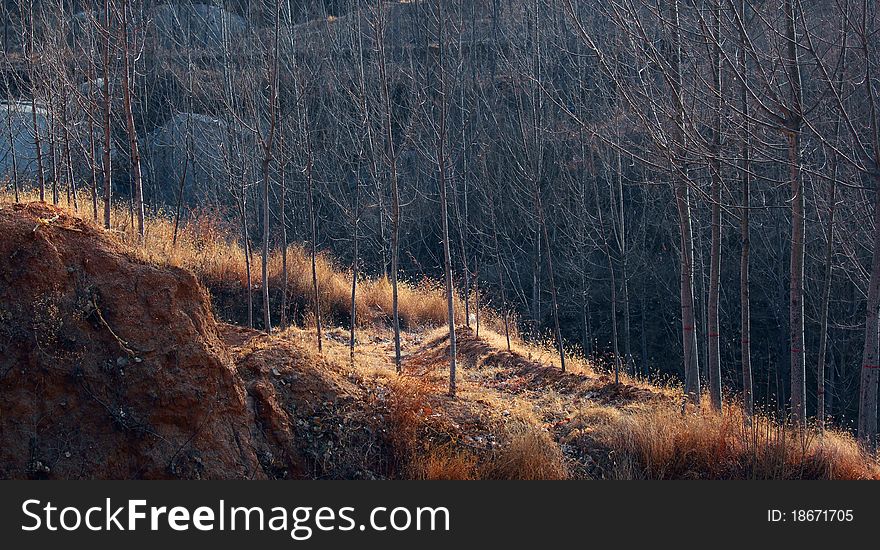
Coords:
516,415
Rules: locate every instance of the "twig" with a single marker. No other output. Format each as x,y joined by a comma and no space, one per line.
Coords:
122,343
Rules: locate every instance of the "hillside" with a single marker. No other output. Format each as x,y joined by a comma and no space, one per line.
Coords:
114,365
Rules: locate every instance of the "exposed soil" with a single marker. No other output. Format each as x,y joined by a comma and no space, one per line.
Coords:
313,419
114,368
109,367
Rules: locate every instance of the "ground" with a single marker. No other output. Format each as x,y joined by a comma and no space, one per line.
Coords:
113,364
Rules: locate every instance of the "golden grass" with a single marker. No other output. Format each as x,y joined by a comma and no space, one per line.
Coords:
212,249
633,431
530,453
661,443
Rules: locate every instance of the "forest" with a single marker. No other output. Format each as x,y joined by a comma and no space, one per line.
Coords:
673,189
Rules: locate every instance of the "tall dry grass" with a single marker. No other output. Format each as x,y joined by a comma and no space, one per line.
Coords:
430,447
662,443
212,249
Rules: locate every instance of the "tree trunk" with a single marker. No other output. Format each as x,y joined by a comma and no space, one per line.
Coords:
354,268
551,275
313,226
504,307
796,283
50,137
712,328
745,242
607,249
9,111
106,161
267,322
282,318
870,360
441,176
32,77
477,294
137,181
682,201
268,145
391,160
826,297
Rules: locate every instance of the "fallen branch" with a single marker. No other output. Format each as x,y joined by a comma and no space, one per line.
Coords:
122,343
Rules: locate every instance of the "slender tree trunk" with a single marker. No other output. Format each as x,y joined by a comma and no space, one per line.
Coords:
354,267
267,321
643,335
829,259
38,146
50,137
68,160
442,182
247,256
313,225
550,273
826,300
683,205
504,308
745,241
871,360
9,111
182,182
712,328
462,232
619,223
106,161
477,293
137,181
871,355
282,318
796,288
93,161
391,160
268,151
610,259
831,390
614,336
627,332
536,286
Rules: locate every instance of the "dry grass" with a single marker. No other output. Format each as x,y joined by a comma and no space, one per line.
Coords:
661,443
530,453
211,248
516,416
631,430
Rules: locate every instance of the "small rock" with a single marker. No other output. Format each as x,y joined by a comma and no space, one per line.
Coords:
505,413
121,361
275,372
67,454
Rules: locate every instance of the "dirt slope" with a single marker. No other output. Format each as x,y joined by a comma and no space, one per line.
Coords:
114,367
109,368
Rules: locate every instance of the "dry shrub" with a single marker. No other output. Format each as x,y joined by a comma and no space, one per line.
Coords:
661,443
530,453
445,462
407,406
418,305
416,456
